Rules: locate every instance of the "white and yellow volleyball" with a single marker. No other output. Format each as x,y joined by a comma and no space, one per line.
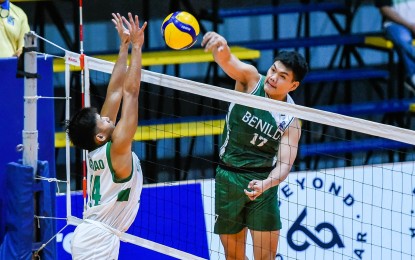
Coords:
180,30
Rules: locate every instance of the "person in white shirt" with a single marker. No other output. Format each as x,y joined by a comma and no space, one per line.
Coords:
116,178
399,25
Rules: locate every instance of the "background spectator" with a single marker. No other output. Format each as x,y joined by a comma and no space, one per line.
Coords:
13,27
399,24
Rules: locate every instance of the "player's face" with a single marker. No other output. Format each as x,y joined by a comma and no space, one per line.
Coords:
279,81
105,126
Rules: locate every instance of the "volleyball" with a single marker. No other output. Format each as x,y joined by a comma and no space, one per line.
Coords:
180,30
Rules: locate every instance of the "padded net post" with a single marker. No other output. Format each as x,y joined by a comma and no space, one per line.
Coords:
30,133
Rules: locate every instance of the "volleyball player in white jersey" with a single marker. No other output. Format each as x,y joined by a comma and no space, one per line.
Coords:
115,174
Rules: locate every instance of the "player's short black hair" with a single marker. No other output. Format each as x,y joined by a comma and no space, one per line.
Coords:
294,61
82,128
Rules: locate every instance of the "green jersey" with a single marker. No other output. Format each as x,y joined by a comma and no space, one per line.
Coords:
251,136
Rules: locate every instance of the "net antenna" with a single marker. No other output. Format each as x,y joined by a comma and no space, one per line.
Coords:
85,97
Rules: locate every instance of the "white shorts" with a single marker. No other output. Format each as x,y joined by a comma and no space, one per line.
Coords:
94,241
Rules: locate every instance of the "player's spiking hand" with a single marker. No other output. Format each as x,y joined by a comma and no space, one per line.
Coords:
213,41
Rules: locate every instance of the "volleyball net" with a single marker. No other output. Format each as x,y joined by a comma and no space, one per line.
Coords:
349,196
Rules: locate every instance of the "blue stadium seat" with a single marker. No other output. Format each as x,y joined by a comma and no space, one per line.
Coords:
339,147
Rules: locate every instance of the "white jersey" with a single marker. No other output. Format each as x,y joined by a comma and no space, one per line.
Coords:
111,201
405,8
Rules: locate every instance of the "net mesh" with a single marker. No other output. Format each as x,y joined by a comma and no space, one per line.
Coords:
350,194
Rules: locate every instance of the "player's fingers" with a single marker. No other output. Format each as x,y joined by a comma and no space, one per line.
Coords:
215,41
210,44
137,23
203,43
250,184
126,22
130,17
144,26
211,34
117,18
205,39
251,194
121,21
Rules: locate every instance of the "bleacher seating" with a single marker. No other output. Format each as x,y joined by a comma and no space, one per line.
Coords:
355,146
304,42
346,74
370,108
280,9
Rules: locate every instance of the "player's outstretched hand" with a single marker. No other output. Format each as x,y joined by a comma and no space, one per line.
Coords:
213,41
122,31
136,32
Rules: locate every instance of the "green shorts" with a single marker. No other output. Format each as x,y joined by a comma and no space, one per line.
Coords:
235,211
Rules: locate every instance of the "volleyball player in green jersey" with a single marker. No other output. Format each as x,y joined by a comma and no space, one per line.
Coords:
257,152
115,174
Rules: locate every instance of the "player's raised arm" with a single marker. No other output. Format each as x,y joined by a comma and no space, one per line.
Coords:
244,74
114,92
124,132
